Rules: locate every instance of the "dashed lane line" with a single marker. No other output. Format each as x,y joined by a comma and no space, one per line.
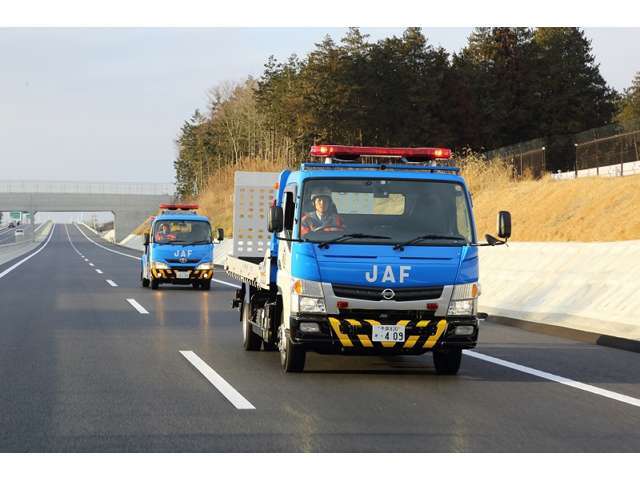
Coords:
137,306
112,283
99,271
224,387
16,265
556,378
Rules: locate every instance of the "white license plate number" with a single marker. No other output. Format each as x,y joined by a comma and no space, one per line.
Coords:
182,274
388,333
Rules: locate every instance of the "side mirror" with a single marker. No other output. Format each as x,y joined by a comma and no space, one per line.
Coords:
504,224
146,239
275,220
219,235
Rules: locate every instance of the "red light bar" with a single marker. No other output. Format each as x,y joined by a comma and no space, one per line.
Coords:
343,150
179,206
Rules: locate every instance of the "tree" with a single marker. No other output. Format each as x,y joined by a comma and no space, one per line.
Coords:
629,113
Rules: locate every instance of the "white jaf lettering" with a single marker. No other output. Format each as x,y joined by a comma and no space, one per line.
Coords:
371,276
388,275
404,272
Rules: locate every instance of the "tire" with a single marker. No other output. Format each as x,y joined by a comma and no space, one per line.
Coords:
447,362
195,285
250,341
144,281
154,284
206,285
292,357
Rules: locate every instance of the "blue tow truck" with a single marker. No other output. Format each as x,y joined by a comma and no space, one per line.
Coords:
371,251
179,248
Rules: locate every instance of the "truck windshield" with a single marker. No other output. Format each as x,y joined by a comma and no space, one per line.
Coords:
399,209
181,232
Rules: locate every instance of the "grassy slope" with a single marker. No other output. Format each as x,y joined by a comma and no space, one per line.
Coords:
589,209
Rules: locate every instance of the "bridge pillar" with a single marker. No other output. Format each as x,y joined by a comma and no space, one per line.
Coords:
126,221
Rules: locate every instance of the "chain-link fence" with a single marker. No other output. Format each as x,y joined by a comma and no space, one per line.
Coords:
526,158
608,151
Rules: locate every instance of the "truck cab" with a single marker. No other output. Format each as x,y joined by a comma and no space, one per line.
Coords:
179,248
367,256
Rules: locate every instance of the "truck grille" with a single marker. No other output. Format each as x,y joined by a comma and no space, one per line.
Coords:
375,293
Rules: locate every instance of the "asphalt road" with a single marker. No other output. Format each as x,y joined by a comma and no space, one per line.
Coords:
82,369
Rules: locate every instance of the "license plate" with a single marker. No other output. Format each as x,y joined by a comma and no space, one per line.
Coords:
182,274
388,333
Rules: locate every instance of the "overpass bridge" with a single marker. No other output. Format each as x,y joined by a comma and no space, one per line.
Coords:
130,203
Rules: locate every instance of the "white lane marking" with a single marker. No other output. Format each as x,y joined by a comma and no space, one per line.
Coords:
217,381
16,265
556,378
225,283
112,283
137,306
99,271
102,246
91,264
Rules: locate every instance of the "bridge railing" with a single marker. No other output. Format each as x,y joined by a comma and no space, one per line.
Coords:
117,188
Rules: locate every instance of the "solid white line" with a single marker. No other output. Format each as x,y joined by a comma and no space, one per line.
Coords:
556,378
137,306
225,283
217,381
99,271
91,264
69,237
112,283
102,246
16,265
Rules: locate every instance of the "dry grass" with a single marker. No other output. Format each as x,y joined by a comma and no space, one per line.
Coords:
589,209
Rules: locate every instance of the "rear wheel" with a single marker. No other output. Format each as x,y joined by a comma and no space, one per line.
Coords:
250,341
292,357
447,362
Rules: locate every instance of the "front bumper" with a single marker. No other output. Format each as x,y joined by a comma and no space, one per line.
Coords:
171,275
351,334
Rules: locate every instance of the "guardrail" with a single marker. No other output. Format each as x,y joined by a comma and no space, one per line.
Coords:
117,188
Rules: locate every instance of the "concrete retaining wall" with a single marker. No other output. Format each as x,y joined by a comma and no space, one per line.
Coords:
593,287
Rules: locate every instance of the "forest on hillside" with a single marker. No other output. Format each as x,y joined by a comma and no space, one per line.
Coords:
507,85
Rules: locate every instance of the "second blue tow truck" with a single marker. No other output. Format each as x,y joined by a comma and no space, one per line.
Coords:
179,248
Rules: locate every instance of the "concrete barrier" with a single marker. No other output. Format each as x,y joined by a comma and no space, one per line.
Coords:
585,286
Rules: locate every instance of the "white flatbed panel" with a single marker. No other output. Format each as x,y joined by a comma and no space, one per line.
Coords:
248,272
253,194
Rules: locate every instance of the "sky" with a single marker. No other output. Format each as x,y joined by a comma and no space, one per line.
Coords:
106,104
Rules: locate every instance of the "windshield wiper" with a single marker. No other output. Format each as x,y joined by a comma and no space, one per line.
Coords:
347,236
399,246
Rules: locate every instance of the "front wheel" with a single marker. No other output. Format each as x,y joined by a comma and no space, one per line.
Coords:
144,281
154,284
292,356
250,341
447,362
206,285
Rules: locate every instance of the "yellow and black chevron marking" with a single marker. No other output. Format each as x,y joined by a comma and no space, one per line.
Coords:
357,333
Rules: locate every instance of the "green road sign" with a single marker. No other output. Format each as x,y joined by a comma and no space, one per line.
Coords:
16,215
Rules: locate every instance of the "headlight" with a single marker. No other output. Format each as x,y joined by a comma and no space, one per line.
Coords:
205,266
461,307
463,299
160,266
311,305
307,296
